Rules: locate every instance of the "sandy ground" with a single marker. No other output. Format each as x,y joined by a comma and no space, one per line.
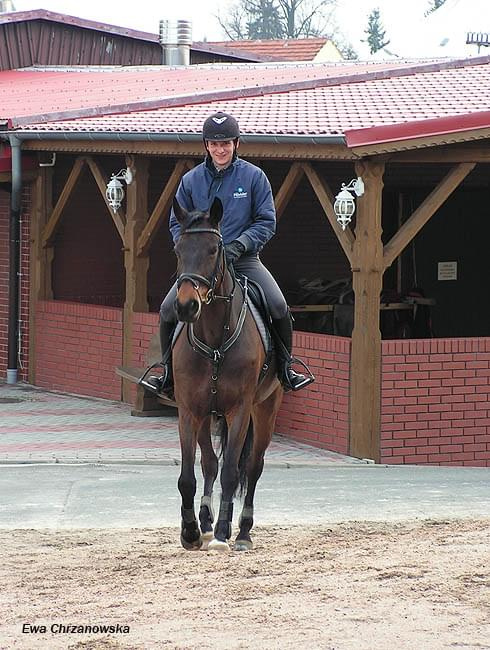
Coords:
420,585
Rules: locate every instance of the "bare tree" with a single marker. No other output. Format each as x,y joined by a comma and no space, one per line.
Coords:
284,18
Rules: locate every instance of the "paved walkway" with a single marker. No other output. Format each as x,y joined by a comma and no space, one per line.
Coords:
38,426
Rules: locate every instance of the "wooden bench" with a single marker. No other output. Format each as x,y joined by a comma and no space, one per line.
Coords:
147,404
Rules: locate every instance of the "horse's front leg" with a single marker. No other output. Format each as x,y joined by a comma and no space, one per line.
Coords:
190,535
230,476
209,466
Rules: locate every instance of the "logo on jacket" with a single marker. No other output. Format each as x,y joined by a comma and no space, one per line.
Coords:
240,193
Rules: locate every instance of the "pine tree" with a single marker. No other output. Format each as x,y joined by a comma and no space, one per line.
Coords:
433,5
264,20
375,32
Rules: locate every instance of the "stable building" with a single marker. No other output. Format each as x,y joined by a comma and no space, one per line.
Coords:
408,382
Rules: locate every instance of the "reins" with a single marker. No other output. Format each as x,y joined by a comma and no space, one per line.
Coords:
215,355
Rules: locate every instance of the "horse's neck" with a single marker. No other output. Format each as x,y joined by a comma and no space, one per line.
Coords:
219,313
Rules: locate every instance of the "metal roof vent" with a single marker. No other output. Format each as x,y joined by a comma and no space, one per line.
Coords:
175,38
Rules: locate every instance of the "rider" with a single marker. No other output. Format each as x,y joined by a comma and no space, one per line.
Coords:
249,221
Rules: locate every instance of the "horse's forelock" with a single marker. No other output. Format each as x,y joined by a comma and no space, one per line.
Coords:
196,220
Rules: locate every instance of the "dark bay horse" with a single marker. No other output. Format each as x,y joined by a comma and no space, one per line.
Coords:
217,363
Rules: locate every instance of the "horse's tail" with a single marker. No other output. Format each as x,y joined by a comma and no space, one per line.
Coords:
222,432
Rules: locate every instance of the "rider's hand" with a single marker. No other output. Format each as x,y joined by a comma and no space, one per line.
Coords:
233,251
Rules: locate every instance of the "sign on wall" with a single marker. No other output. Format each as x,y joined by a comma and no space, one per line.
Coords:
447,270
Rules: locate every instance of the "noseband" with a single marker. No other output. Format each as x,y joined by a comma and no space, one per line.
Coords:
194,278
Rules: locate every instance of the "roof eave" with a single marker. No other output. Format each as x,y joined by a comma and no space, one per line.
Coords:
122,136
418,134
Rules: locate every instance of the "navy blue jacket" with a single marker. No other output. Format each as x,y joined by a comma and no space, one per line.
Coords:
249,214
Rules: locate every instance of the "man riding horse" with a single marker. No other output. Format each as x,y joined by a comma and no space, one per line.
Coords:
249,221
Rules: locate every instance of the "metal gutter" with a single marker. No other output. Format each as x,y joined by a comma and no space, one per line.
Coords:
169,137
14,261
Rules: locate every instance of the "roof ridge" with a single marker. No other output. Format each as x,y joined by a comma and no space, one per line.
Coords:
247,91
67,19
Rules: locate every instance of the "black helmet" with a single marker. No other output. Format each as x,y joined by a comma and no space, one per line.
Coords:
220,126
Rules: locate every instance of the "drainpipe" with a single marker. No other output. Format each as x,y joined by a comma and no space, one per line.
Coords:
14,261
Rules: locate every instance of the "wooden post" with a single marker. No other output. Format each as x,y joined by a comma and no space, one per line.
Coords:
367,268
41,258
136,266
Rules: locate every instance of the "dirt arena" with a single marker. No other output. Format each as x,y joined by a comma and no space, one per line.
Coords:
418,586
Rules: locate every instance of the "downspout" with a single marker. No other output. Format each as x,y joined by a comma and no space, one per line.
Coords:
14,261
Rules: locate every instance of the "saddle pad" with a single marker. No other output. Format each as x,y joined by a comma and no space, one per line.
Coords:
259,321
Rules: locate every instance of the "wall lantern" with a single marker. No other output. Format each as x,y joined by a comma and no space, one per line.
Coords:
344,206
115,191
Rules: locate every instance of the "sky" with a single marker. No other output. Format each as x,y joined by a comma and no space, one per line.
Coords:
403,20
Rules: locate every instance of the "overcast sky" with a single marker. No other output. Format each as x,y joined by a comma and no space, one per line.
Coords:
145,14
399,17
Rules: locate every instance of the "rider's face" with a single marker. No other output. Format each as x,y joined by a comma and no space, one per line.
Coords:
221,152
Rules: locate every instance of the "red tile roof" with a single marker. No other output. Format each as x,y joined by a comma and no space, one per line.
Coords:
294,49
325,100
44,95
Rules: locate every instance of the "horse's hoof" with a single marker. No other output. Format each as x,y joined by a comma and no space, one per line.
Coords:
243,545
206,538
191,546
218,545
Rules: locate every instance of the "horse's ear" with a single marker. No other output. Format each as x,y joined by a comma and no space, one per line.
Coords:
216,212
180,213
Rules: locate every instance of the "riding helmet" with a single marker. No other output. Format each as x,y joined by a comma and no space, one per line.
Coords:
220,126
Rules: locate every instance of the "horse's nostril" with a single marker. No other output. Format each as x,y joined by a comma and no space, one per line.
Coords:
194,306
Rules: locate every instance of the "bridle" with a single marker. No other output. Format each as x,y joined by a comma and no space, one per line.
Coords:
219,269
215,355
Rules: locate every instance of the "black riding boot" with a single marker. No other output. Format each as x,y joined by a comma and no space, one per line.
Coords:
282,328
163,384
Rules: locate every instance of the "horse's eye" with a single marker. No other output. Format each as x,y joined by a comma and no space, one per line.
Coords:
213,250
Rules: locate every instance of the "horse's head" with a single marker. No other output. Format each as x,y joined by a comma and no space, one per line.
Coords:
200,259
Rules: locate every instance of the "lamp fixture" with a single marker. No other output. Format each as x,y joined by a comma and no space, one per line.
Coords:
344,206
115,190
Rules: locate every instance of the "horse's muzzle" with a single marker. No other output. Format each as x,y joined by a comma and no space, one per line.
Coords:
189,311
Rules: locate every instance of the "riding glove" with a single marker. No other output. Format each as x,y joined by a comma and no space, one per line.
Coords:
233,251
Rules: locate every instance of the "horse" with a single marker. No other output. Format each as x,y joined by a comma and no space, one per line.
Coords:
222,381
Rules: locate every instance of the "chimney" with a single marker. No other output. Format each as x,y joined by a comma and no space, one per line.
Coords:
175,39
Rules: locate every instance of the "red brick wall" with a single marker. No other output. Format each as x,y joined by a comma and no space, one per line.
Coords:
436,402
24,282
78,347
319,415
144,326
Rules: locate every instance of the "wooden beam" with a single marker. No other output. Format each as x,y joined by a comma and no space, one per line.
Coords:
284,151
457,153
325,196
102,185
162,207
424,212
367,281
136,267
54,220
287,189
41,258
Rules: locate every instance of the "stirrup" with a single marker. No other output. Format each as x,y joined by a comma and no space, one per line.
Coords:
306,381
165,389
